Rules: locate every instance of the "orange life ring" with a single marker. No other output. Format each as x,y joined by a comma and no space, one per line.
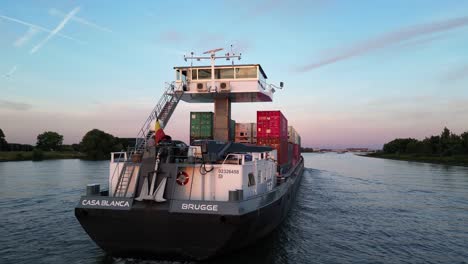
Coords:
182,178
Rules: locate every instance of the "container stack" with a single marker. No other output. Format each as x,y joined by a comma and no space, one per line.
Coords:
294,141
272,130
246,133
201,126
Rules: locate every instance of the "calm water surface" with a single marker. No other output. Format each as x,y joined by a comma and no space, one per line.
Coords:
350,209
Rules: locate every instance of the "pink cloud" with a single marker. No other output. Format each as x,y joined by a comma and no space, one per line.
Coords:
387,39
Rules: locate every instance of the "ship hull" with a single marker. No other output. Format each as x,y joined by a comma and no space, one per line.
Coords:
153,230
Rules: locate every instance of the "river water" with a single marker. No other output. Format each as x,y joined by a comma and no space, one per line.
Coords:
349,209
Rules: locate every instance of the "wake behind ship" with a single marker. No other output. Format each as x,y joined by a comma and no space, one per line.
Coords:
231,186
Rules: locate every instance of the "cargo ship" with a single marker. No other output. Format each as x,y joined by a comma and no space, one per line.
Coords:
233,184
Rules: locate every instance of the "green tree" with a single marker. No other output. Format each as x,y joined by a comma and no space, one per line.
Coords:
3,142
464,142
76,147
49,140
97,145
415,147
427,147
444,142
398,146
434,143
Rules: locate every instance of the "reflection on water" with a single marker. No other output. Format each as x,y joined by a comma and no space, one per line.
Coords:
349,209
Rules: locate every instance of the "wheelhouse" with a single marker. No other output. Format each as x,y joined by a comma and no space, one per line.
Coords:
241,83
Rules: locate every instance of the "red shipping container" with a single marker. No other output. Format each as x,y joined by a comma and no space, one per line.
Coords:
281,146
271,124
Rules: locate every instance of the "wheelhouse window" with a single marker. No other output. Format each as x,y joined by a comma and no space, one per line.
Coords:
224,73
247,72
184,76
204,74
194,74
178,75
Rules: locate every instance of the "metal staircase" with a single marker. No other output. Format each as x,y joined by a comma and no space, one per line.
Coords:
162,112
124,179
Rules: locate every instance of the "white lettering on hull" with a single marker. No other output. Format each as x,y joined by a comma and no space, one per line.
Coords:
200,207
105,203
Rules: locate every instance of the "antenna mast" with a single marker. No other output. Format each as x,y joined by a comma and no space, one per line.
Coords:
212,58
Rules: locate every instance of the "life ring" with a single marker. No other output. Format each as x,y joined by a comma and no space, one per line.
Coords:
182,178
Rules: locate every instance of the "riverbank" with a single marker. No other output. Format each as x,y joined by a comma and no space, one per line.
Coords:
458,160
46,155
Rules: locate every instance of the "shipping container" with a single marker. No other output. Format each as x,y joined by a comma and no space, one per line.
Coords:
281,146
232,130
272,124
245,133
290,152
201,125
297,153
254,134
291,134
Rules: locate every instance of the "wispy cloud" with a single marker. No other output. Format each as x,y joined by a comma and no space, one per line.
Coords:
11,71
11,19
58,13
56,30
387,40
418,42
456,74
26,37
10,105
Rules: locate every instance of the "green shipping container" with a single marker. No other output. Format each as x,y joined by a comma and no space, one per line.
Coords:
201,125
232,128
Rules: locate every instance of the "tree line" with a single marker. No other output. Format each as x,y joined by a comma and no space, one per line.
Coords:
445,144
95,144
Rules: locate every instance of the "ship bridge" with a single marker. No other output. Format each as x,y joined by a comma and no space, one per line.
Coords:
238,83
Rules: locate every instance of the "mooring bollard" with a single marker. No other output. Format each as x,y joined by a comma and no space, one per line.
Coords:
93,189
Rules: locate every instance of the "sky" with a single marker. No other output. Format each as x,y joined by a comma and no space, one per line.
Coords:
356,73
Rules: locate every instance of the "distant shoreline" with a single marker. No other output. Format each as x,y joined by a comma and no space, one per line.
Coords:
47,155
459,160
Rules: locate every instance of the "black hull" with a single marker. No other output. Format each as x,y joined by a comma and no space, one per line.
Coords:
151,230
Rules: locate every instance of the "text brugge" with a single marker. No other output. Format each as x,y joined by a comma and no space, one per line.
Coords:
200,207
105,203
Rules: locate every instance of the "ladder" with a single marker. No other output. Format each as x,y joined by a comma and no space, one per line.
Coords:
124,179
162,112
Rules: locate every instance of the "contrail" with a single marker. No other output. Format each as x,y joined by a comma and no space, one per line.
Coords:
39,28
26,37
56,30
389,39
80,20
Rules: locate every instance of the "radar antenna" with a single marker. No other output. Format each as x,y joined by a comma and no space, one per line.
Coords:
212,58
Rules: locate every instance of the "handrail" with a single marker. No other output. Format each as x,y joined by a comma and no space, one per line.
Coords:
172,94
116,167
266,85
